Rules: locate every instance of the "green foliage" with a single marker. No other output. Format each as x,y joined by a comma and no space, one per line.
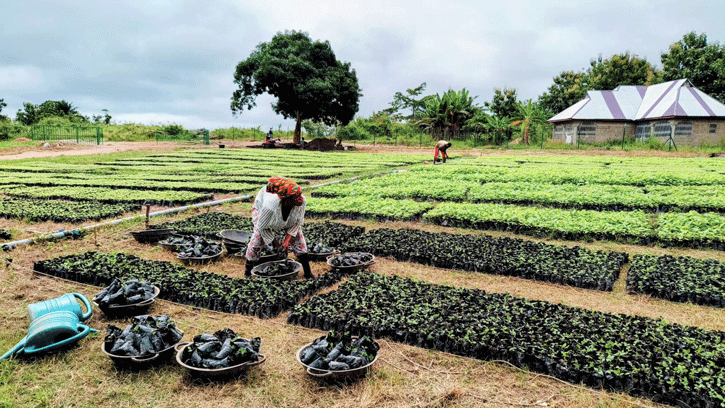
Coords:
569,88
622,69
59,211
234,133
528,116
681,279
173,130
10,130
305,77
408,101
106,119
447,114
317,130
702,63
2,105
129,132
603,74
34,114
503,104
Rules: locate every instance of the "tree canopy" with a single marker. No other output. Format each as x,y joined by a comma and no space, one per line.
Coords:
408,101
702,63
32,114
603,74
2,105
305,77
503,104
447,113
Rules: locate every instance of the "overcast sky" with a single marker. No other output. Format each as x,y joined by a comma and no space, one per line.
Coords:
162,62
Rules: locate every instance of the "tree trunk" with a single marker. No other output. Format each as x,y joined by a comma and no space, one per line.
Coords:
298,129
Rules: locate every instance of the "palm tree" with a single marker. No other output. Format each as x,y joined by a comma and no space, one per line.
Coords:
526,116
498,126
447,113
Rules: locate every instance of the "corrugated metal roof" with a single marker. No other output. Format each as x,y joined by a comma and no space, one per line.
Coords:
674,98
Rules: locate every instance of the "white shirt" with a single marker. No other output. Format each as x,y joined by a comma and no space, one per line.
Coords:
269,222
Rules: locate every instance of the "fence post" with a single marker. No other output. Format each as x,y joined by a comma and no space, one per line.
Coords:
624,129
206,137
77,135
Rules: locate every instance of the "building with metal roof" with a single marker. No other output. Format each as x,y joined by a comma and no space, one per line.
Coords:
672,111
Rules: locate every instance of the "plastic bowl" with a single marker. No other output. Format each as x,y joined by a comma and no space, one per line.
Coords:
129,310
335,375
151,236
199,260
353,267
136,362
287,276
214,372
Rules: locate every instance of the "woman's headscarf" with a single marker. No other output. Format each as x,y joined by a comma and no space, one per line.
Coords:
286,190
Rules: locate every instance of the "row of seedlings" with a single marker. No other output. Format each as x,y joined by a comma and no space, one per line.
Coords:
573,266
60,211
167,198
263,298
678,279
208,225
669,363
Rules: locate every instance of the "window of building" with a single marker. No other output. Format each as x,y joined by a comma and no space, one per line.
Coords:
587,129
662,129
559,131
643,131
713,127
683,129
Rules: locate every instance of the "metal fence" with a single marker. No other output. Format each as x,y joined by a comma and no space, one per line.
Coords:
201,135
68,134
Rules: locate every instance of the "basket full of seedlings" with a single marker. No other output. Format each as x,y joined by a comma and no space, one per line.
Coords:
201,253
338,357
351,261
222,354
286,269
320,251
127,299
146,341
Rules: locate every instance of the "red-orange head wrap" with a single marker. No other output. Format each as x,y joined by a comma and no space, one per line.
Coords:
285,189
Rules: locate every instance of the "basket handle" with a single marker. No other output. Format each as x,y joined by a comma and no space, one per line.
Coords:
311,372
180,346
145,359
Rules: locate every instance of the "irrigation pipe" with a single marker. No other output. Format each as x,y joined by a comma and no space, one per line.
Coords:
76,233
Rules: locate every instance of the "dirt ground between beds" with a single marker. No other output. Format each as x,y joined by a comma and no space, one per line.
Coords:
72,149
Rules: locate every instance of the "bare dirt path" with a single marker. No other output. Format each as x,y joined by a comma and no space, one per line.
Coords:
71,149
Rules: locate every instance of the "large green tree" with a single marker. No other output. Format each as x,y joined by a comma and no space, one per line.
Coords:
702,63
503,104
527,116
2,105
408,100
305,77
32,114
569,88
603,74
447,113
622,69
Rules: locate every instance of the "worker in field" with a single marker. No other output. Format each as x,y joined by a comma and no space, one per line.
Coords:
279,209
441,147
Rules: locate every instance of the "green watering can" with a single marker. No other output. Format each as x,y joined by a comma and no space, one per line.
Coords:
66,302
50,331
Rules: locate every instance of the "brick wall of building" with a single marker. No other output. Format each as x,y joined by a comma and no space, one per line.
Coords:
606,131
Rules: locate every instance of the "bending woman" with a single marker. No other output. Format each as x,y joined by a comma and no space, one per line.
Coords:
278,209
